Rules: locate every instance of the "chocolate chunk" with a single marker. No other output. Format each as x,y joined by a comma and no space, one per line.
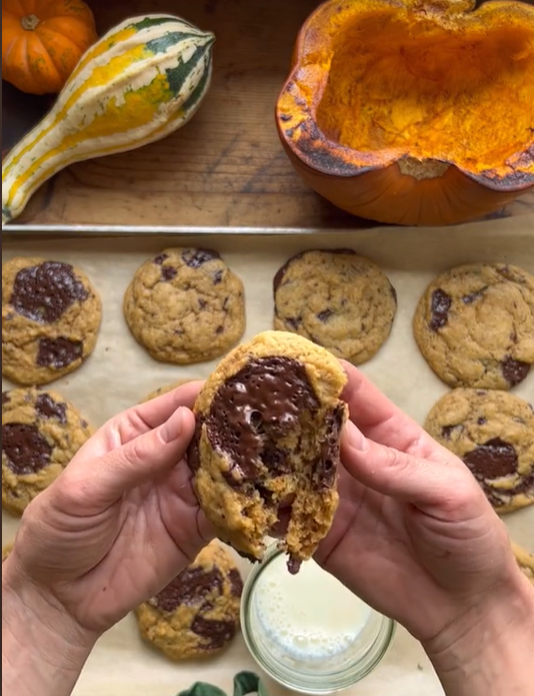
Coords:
26,450
219,330
279,277
44,292
482,420
168,273
472,297
216,631
514,371
236,582
325,315
198,257
448,430
293,322
160,259
217,278
46,407
5,398
265,494
492,460
278,389
506,273
440,305
294,565
193,454
58,352
189,587
247,556
324,473
275,459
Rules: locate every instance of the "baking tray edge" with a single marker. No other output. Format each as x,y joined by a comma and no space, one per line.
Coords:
10,231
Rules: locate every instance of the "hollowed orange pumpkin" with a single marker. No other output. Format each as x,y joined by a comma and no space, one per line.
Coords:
417,112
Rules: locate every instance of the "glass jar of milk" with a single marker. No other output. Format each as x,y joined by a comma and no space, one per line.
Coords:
307,631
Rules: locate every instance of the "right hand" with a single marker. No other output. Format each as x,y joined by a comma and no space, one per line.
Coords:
414,535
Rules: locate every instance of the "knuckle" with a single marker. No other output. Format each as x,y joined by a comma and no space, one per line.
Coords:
460,494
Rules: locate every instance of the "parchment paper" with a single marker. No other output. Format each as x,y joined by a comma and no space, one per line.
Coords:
120,373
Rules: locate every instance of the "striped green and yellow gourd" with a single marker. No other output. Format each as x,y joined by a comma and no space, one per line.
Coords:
141,81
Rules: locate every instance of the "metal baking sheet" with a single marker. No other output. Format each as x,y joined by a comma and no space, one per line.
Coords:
120,373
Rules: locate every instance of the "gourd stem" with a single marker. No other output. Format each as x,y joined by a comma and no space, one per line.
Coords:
30,22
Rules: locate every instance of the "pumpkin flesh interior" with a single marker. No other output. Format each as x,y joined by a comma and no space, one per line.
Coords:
428,91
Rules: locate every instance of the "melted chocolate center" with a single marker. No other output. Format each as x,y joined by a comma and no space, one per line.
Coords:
58,352
26,450
44,292
492,460
261,403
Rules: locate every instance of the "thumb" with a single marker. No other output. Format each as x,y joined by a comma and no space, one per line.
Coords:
104,480
445,489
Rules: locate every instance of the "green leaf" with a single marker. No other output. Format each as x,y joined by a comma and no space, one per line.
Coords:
201,689
244,683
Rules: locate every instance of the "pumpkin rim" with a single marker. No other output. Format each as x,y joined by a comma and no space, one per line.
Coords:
322,154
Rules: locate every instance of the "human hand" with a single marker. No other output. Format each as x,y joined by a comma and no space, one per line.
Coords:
122,519
414,535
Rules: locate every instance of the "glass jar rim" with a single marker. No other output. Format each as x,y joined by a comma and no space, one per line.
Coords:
309,684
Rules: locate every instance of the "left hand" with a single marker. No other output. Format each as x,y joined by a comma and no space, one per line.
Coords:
122,519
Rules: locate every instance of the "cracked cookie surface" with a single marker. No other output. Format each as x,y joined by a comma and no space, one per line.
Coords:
50,319
185,306
492,432
475,326
41,433
197,614
338,300
269,420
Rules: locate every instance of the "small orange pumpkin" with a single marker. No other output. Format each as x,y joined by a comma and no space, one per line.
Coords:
42,42
417,112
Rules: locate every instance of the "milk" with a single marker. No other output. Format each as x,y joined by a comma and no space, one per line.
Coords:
309,615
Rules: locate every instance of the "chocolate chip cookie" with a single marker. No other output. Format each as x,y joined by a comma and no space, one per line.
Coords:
493,433
41,432
336,299
197,614
166,389
475,326
50,319
525,561
185,306
267,441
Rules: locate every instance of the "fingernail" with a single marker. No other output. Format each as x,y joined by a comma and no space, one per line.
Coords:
353,437
172,429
